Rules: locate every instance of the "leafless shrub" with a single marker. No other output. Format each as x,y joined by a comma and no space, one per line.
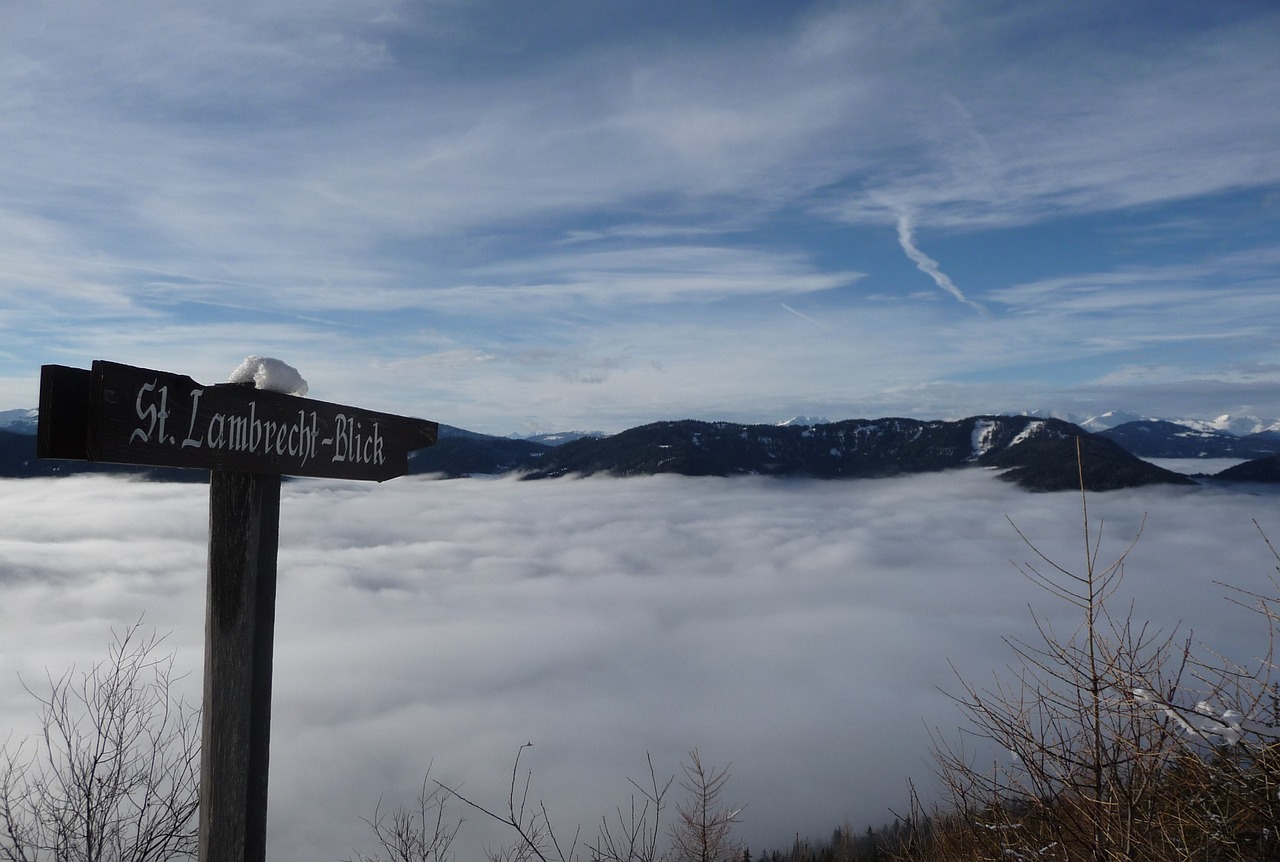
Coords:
634,834
114,774
532,824
421,833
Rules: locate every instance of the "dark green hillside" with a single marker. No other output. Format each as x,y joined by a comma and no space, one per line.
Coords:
1048,463
1038,454
18,461
456,456
1259,470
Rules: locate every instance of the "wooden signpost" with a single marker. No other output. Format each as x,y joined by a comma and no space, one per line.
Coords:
248,439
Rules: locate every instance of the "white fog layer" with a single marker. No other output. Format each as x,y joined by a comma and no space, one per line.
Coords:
798,629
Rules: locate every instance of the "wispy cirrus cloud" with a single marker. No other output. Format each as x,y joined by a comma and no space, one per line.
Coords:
648,275
363,175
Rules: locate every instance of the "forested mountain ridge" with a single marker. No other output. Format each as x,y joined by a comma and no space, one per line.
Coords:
1036,453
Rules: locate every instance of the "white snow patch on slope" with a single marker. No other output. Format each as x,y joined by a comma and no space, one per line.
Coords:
803,421
1027,433
984,434
271,374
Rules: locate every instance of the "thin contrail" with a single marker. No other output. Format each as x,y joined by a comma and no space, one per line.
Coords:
926,264
803,316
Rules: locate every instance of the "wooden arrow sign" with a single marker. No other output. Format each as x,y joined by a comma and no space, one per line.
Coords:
125,415
247,438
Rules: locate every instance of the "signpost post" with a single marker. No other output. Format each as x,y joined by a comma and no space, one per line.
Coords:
248,439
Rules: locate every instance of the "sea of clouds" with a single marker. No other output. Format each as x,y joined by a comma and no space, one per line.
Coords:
799,630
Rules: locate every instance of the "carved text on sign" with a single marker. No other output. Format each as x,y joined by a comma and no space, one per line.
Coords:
298,437
138,416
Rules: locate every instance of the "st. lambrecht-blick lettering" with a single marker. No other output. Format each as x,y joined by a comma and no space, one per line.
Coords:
139,416
244,432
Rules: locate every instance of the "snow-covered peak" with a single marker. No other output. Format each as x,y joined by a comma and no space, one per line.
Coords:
1110,419
1227,423
1051,413
273,375
556,438
1239,426
19,421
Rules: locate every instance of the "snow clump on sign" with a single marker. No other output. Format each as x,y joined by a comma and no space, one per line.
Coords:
274,375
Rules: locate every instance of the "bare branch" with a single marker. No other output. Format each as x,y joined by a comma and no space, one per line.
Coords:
113,774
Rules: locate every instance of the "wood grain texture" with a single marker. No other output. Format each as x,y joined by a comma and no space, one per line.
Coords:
244,526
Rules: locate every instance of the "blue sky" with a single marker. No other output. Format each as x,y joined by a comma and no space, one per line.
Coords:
520,217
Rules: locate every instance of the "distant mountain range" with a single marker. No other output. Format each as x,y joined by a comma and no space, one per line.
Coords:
1035,452
1157,438
1039,454
1236,426
18,421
